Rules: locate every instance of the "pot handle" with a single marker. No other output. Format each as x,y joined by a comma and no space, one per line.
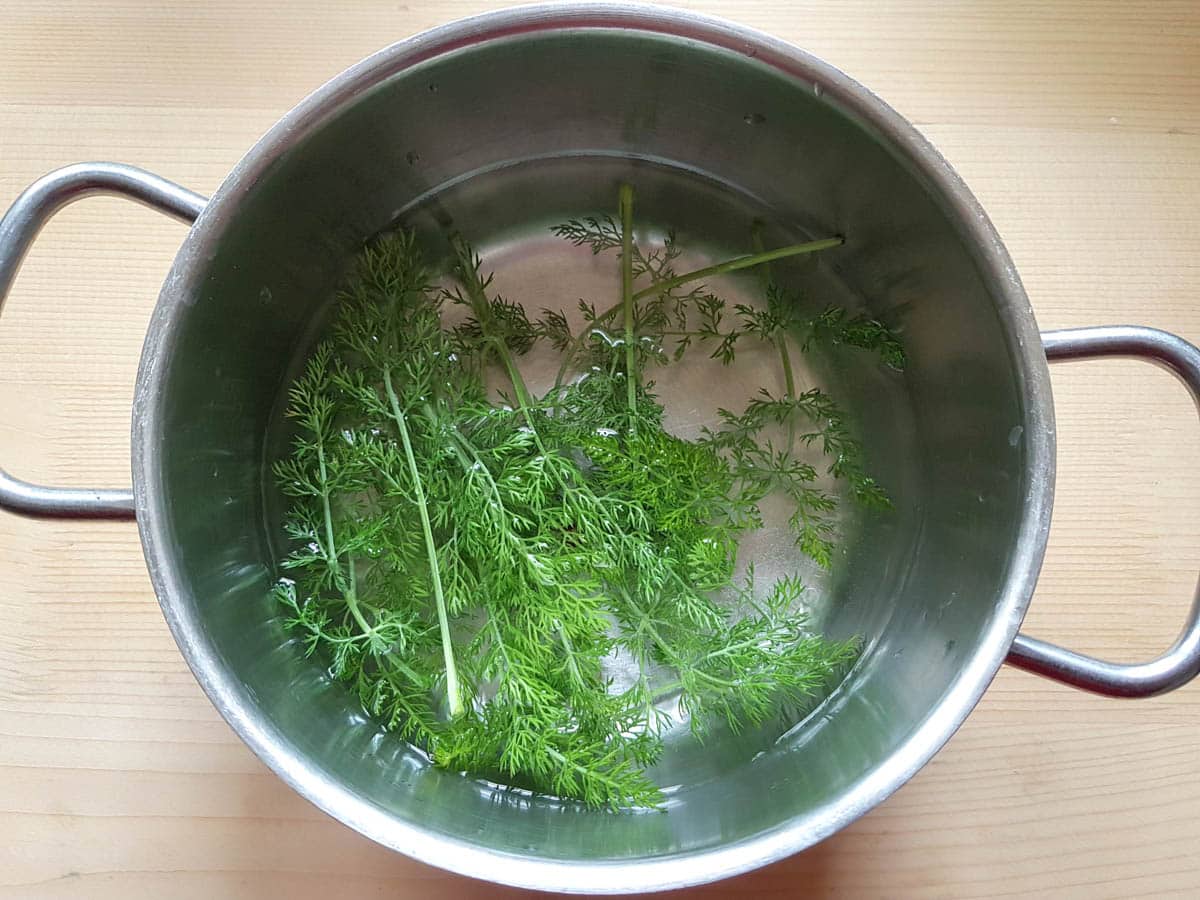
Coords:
1181,663
20,225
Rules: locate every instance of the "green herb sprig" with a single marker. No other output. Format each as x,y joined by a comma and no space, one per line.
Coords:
472,565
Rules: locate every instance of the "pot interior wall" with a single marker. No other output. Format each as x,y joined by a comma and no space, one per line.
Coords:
713,139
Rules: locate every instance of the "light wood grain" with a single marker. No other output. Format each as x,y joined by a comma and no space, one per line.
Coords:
1078,126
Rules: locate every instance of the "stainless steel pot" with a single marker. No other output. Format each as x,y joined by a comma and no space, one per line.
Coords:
939,590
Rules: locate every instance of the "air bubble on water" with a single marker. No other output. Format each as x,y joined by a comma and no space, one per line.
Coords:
609,339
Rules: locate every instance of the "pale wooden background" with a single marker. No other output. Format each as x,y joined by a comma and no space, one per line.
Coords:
1077,124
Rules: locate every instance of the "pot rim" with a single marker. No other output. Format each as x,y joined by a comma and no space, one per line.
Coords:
617,876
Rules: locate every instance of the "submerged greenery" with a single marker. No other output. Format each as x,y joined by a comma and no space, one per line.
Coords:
470,563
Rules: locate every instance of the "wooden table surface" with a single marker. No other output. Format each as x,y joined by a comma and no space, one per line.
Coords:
1076,124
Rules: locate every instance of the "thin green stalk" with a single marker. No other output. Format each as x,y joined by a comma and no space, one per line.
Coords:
627,295
736,264
570,653
663,644
330,546
514,376
668,652
703,676
468,457
785,358
351,597
479,305
403,668
348,591
520,391
499,639
594,774
780,339
454,694
730,265
756,241
569,357
483,315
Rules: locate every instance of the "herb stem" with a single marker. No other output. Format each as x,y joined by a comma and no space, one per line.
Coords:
737,263
785,358
756,241
351,596
627,298
576,675
499,639
468,272
590,773
453,692
404,669
330,546
647,624
514,376
779,338
349,591
669,653
698,673
468,457
730,265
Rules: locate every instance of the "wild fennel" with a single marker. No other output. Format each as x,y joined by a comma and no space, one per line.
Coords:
471,564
